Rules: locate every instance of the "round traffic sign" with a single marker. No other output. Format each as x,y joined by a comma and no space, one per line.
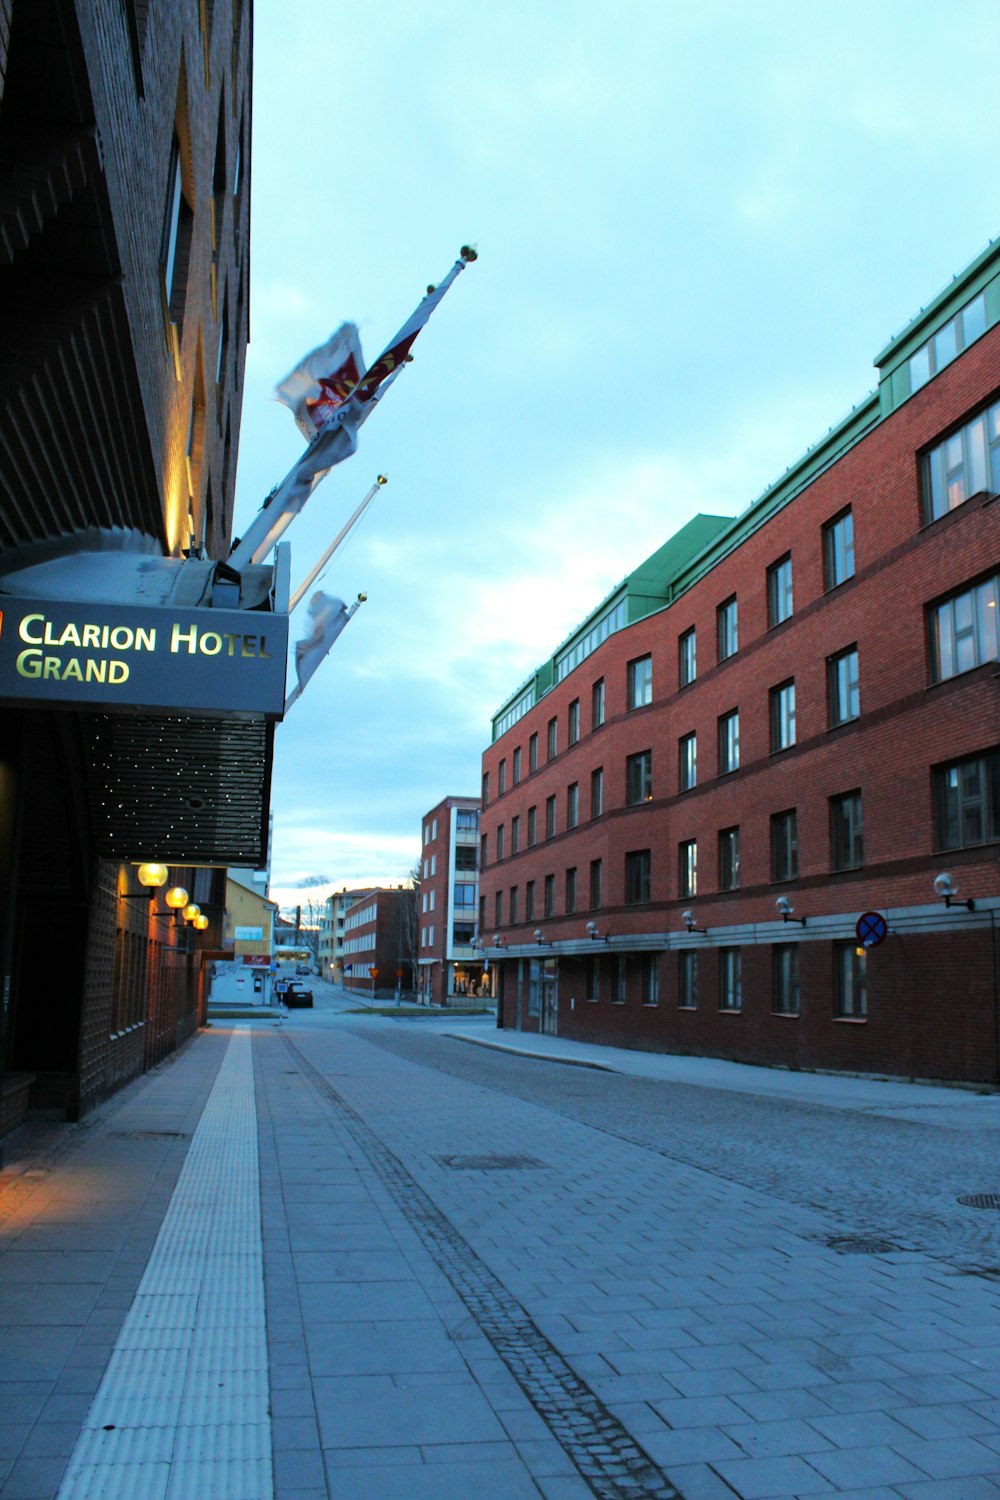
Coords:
871,929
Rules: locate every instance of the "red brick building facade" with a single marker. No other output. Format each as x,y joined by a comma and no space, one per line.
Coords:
450,965
801,706
378,935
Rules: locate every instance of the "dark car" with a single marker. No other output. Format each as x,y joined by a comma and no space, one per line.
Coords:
302,968
296,994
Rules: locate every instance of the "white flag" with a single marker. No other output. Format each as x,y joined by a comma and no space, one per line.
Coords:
323,381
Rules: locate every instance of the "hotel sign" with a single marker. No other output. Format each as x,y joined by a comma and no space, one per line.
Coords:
108,656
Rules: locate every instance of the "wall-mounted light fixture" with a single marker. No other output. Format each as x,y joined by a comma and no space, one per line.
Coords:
192,911
177,898
945,887
687,917
592,931
497,940
786,909
201,922
538,936
151,878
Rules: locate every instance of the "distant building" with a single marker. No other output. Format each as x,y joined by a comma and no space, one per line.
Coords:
376,959
449,966
331,931
751,807
250,916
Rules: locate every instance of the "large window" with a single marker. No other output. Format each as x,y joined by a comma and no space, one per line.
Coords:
553,739
843,686
501,778
550,817
727,629
550,895
964,631
529,901
785,979
783,716
729,859
501,850
573,804
596,870
965,464
639,777
688,762
730,979
515,834
571,889
597,792
784,845
532,826
638,874
688,663
838,549
650,979
688,865
687,989
533,753
729,743
517,765
779,590
846,847
573,722
850,982
968,324
968,801
597,704
640,682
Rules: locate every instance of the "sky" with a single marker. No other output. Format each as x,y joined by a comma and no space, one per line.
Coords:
697,225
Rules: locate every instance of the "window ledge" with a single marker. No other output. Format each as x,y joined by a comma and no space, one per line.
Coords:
687,1007
850,1020
650,1004
730,1010
786,1015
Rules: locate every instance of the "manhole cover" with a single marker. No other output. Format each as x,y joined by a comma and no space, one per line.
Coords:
852,1244
151,1135
488,1163
980,1200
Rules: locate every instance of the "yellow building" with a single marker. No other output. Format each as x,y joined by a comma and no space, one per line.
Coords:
250,916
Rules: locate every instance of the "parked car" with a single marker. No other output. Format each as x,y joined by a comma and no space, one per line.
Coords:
296,995
302,968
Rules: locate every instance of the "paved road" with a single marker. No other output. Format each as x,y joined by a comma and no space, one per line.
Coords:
485,1275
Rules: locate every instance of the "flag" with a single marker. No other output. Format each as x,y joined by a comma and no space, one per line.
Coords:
322,382
327,616
391,358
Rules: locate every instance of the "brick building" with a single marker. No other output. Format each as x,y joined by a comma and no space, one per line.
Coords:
449,961
778,724
124,284
378,934
331,930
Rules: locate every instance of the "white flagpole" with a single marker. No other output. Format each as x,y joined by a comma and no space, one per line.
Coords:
341,536
296,692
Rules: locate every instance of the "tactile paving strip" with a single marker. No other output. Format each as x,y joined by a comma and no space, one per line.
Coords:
182,1410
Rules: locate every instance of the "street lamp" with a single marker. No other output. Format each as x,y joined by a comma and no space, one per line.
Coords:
151,878
176,898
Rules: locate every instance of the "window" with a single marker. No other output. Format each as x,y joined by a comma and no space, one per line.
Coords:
965,464
427,833
498,909
964,630
650,979
597,792
482,914
846,850
838,549
501,778
529,901
639,777
465,857
850,982
573,804
501,851
968,801
640,682
434,864
968,324
843,686
730,979
637,877
785,978
612,619
552,744
687,993
512,905
689,868
620,989
784,845
779,590
783,716
729,743
729,859
532,821
688,762
573,727
550,895
594,978
727,629
515,835
517,765
597,704
550,817
596,867
571,889
486,787
175,240
533,754
688,664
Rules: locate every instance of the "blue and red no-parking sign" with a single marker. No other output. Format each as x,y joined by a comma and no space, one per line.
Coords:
871,929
